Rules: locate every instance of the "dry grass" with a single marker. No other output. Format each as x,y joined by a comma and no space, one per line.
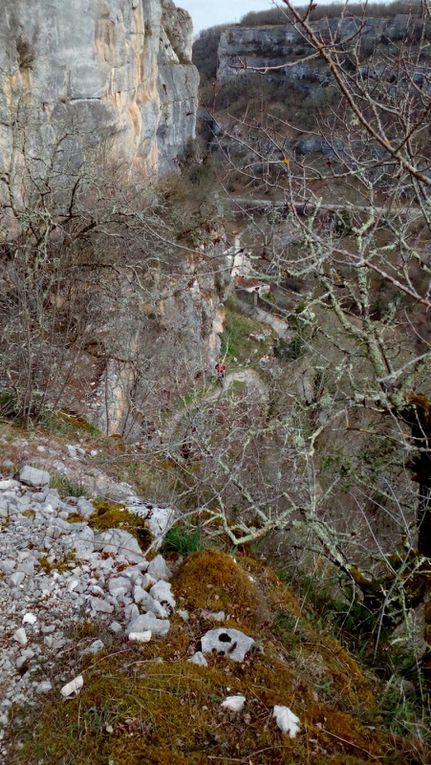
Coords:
148,704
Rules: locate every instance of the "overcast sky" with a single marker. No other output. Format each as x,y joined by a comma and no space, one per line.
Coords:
206,13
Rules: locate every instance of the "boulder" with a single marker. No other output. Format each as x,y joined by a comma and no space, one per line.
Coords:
120,542
146,622
34,477
229,642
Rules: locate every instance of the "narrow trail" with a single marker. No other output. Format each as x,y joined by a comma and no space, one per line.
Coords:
248,377
310,207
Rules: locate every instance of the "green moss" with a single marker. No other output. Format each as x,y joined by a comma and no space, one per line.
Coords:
112,515
69,425
132,710
28,513
85,630
238,343
58,565
148,704
214,581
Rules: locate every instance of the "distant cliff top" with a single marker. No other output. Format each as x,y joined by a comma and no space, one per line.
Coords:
271,46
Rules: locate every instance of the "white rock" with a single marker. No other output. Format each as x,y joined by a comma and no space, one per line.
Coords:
73,584
7,484
131,612
157,519
229,642
116,628
141,637
145,580
27,567
139,594
7,566
286,720
218,616
162,592
85,507
234,703
184,615
158,568
71,451
73,687
100,605
24,657
119,586
149,622
199,659
16,579
95,647
43,687
20,636
120,542
153,606
29,619
34,477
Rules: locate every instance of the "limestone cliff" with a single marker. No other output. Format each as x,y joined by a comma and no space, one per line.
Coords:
116,75
273,46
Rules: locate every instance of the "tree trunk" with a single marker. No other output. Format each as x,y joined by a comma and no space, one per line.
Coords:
424,520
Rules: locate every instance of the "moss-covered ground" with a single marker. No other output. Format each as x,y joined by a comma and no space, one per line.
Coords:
239,343
147,705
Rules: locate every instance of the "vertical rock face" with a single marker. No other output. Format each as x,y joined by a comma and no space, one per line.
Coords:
116,75
162,345
178,82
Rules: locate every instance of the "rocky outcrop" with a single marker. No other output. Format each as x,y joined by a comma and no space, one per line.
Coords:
114,76
159,343
273,46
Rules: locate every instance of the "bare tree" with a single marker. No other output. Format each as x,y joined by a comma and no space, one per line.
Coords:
93,270
337,221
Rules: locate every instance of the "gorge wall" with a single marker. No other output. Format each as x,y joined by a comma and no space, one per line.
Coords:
114,75
275,46
102,90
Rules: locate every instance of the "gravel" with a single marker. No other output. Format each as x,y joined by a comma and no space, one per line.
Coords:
56,574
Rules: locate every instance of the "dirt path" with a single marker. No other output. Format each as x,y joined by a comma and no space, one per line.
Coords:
248,377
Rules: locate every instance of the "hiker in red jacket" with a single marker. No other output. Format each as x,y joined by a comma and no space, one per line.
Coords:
221,372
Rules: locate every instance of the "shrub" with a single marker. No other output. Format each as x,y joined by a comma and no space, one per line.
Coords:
68,487
182,540
25,53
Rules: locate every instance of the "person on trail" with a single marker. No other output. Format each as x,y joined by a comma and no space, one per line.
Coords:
221,372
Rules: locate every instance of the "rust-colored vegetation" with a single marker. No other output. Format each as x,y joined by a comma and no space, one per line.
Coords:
148,704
